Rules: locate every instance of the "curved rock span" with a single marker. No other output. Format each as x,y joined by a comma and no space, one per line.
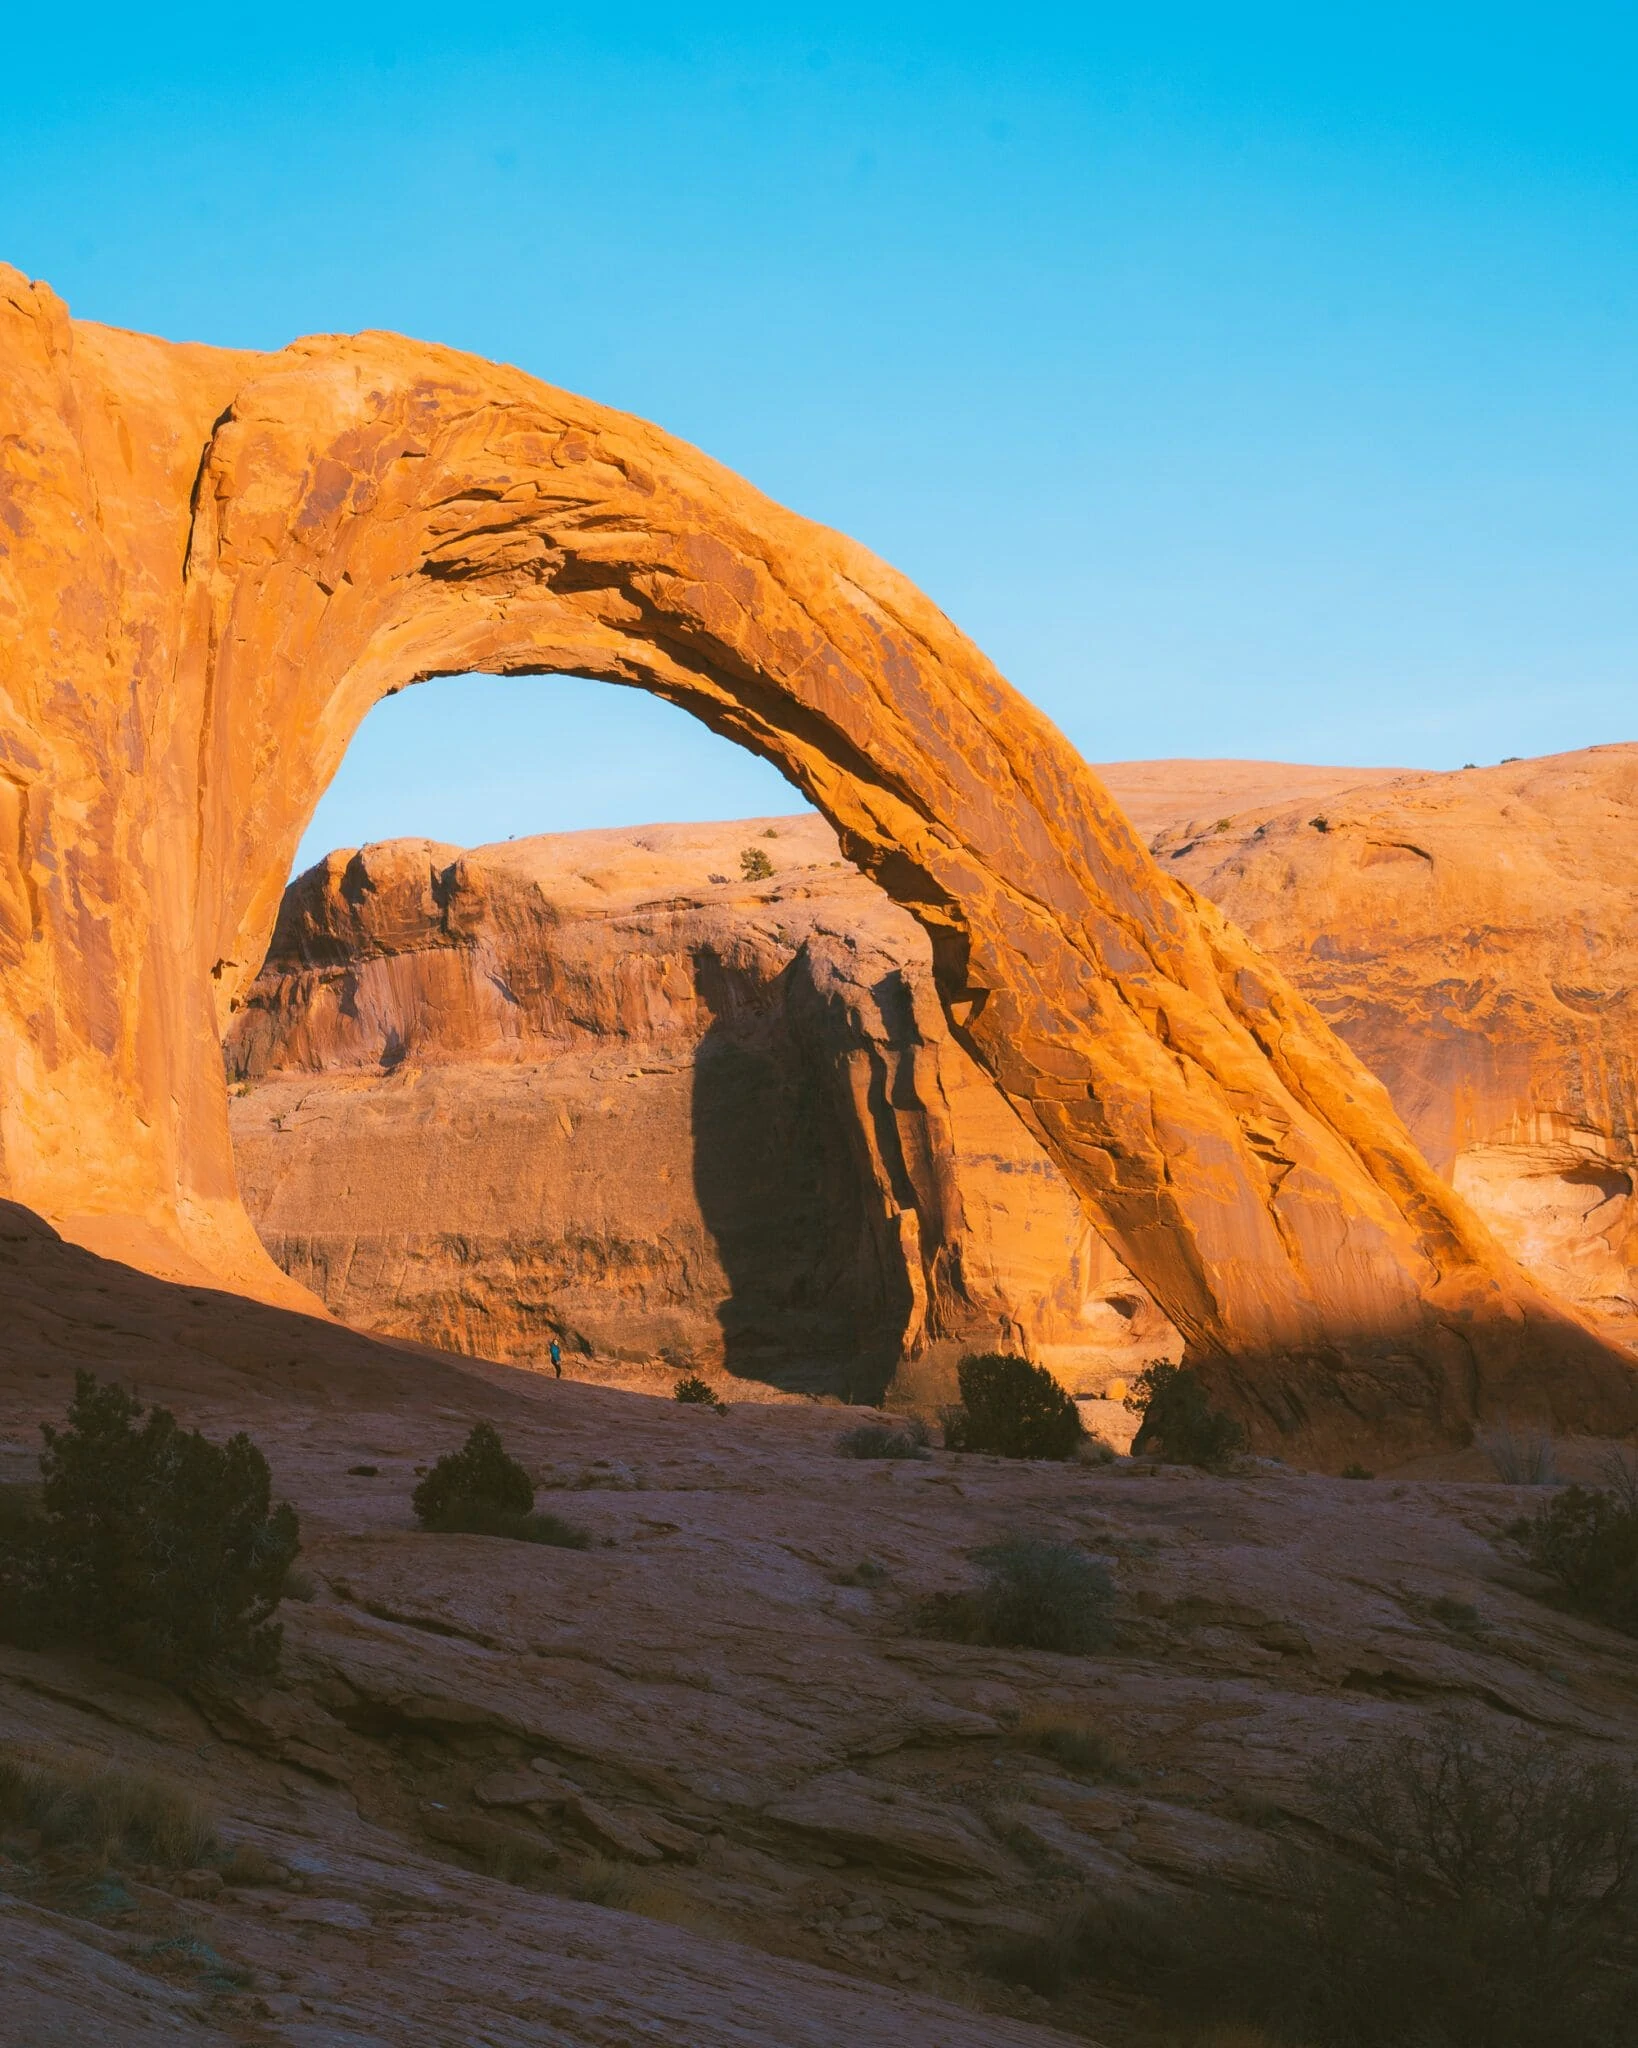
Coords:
217,561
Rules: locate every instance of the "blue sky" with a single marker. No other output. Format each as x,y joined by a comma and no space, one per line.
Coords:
1250,381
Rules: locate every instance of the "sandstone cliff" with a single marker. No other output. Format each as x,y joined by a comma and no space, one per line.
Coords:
597,1086
216,562
1474,937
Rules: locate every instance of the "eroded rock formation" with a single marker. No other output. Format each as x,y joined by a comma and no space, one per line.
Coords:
1474,938
216,562
598,1087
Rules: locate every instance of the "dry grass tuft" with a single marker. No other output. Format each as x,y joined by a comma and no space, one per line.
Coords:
94,1818
1076,1743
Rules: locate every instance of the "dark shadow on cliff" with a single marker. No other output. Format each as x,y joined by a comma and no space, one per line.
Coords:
63,1308
817,1301
223,1361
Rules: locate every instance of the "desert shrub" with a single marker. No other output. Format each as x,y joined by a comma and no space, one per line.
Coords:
465,1517
755,865
480,1491
1044,1963
1179,1424
1519,1457
1356,1471
1494,1909
95,1818
478,1477
157,1548
1011,1409
1035,1595
1586,1538
600,1881
499,1848
867,1572
694,1392
1077,1744
879,1440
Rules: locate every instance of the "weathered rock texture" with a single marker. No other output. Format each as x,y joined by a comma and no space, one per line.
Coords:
1474,938
216,562
713,1717
1188,798
596,1086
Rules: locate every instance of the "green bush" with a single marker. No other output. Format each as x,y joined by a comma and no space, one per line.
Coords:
1012,1409
694,1392
1493,1908
1519,1457
1180,1426
755,865
463,1517
1035,1595
877,1440
1586,1538
160,1550
478,1478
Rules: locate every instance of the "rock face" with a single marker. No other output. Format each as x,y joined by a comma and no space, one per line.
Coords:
598,1087
216,562
1474,938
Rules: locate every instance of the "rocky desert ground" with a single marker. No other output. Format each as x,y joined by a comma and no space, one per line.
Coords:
739,1798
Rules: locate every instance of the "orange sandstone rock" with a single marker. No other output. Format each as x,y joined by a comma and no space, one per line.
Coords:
1474,938
595,1086
216,562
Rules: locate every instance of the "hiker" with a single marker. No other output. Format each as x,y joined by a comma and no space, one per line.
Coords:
556,1352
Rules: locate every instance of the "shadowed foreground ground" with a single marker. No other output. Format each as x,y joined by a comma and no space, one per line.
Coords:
803,1816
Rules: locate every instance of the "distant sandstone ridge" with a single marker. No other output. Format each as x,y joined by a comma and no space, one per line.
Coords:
1474,938
597,1086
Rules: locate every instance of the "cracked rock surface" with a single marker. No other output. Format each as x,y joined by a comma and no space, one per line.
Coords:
703,1780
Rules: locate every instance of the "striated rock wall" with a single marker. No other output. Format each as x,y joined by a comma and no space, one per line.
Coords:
1474,937
596,1086
215,563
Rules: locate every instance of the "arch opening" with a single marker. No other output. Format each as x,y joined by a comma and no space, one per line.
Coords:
669,1095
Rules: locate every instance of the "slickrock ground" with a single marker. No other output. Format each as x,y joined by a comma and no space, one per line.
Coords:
597,1086
792,1818
1474,938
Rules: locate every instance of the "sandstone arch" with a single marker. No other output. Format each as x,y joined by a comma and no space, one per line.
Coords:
217,561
